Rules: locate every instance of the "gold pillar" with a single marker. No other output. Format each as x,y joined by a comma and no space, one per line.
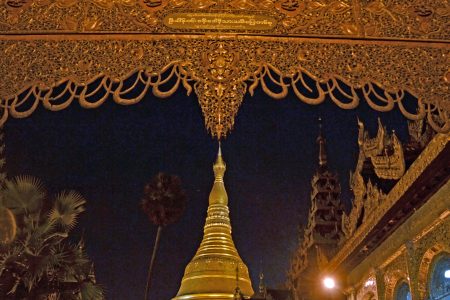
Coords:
381,284
413,270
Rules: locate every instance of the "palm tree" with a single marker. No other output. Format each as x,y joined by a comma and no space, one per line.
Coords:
40,263
163,202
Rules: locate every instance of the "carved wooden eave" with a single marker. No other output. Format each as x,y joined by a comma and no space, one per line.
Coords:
425,176
57,52
386,166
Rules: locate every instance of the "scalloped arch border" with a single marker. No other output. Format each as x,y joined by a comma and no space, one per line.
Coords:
101,87
277,65
426,265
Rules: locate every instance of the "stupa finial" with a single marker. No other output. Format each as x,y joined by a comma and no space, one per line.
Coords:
262,285
321,141
219,166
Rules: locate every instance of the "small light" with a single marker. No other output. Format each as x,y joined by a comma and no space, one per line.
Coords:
447,274
329,283
369,282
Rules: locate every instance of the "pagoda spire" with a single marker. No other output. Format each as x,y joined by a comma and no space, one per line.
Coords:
218,193
323,232
262,285
322,146
216,269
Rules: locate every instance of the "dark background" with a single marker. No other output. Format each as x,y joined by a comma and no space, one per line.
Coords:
109,153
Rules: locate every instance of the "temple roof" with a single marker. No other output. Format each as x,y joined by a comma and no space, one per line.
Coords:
421,180
323,232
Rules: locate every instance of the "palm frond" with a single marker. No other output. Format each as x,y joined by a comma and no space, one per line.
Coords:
39,262
75,260
68,206
24,195
38,267
91,291
43,236
9,257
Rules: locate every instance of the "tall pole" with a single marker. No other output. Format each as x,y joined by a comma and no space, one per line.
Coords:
152,262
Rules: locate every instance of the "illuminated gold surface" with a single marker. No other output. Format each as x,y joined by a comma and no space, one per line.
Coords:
425,158
57,52
386,166
407,254
54,71
368,196
212,272
419,19
223,21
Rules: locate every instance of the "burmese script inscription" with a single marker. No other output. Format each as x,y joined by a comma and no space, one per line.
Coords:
218,21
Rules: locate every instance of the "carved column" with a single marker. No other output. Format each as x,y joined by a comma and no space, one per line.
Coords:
413,268
352,294
381,287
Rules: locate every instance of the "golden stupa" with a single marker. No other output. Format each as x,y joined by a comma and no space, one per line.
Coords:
216,270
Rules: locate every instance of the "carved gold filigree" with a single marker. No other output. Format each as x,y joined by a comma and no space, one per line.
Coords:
411,263
55,71
374,198
390,166
371,146
382,72
366,196
429,154
222,90
384,151
358,187
423,17
436,240
321,257
152,4
426,19
368,290
420,133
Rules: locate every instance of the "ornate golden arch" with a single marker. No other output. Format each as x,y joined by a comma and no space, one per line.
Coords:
393,279
344,51
425,267
369,296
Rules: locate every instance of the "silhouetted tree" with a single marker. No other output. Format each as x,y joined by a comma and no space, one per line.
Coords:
39,262
163,202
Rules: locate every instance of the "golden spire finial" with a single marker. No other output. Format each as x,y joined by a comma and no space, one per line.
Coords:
219,166
216,268
218,193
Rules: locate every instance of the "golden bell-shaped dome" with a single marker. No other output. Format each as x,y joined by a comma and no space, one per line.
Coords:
216,269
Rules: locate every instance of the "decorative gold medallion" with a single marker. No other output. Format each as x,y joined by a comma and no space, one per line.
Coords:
153,5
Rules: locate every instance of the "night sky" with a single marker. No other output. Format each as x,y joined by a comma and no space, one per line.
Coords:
109,153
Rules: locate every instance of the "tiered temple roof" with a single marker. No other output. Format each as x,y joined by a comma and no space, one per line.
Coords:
323,232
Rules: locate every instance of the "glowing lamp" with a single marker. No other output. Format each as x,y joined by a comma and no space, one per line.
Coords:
447,274
329,283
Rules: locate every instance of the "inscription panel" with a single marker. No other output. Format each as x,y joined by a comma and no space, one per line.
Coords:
217,21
